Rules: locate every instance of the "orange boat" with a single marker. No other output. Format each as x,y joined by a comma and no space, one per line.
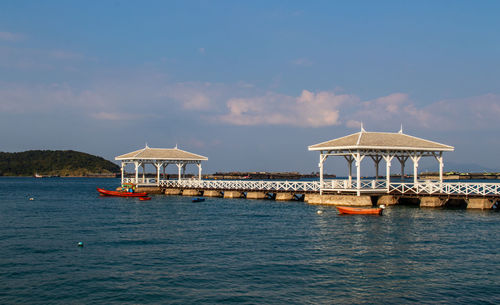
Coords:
366,211
144,198
104,192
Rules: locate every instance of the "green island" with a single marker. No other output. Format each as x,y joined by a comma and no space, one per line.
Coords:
64,163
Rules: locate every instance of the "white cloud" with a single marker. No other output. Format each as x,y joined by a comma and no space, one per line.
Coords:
309,109
8,36
193,95
303,62
116,116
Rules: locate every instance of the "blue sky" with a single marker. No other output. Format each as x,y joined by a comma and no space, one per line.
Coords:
249,84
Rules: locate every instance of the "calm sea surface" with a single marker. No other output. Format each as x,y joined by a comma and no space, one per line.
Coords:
172,251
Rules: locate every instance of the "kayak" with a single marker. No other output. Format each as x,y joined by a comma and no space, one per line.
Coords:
369,211
144,198
198,199
104,192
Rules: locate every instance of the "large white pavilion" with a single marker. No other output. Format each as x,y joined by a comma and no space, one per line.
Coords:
160,158
378,146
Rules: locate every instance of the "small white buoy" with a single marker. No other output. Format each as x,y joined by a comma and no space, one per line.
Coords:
382,206
31,198
80,244
319,212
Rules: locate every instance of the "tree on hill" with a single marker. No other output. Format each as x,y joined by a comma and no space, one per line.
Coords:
49,162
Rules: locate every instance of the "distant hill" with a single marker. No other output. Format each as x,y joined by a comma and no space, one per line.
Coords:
54,162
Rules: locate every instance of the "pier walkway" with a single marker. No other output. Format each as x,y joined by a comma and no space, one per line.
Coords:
336,186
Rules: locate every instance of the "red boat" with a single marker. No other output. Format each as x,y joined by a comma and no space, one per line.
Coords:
104,192
144,198
369,211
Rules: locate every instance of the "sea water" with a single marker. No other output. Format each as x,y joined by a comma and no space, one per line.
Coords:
222,251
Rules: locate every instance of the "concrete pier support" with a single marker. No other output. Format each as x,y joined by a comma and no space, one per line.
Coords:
149,189
387,200
212,193
191,192
233,194
282,196
173,191
432,202
256,195
345,200
479,203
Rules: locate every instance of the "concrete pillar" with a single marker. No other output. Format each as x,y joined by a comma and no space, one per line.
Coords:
143,172
171,191
256,195
149,189
191,192
479,203
344,200
199,171
212,193
233,194
432,202
387,200
284,196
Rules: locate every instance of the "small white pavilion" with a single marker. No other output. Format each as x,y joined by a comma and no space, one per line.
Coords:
160,158
378,146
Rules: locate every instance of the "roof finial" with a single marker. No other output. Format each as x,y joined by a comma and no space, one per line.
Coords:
362,129
147,145
401,130
175,146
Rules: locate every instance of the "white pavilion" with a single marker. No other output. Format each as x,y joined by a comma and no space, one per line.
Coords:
160,158
377,146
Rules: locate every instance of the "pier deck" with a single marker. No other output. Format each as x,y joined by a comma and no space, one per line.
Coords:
338,186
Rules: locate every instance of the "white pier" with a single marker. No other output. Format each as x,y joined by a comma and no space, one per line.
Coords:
339,186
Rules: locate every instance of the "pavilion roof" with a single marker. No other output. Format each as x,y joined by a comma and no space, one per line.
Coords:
381,140
148,153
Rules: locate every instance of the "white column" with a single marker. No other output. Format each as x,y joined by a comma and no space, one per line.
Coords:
402,161
136,164
158,166
349,183
349,163
358,159
415,158
143,165
441,165
376,160
388,159
184,171
179,166
321,161
122,169
199,171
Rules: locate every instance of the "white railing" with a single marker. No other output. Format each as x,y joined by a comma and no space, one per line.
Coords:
447,188
346,185
244,185
376,186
